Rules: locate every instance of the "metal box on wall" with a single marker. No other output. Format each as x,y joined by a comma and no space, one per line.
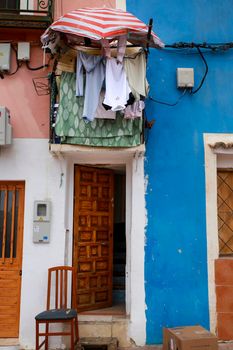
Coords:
5,53
41,221
5,127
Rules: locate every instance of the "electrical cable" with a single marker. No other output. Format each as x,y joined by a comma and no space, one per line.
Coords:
36,68
17,63
205,74
183,46
209,46
167,103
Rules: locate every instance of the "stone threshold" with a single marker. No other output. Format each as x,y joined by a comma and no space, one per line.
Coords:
9,342
102,318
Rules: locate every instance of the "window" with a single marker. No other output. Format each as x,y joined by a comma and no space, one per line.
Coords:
225,212
9,209
9,4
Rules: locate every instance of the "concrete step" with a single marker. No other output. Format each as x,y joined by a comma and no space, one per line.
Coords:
105,326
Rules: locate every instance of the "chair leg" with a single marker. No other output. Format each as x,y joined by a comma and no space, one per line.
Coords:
72,335
46,337
76,330
37,335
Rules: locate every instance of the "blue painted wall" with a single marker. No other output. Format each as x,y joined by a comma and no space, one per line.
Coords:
176,250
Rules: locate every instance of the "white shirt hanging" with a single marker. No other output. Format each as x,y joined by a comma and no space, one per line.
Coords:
117,87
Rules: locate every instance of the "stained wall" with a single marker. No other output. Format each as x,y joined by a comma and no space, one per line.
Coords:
176,279
30,112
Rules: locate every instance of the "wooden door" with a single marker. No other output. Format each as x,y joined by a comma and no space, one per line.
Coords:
11,236
93,237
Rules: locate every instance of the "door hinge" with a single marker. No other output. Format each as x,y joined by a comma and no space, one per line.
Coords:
20,272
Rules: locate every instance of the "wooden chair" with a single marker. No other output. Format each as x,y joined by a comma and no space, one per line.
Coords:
61,275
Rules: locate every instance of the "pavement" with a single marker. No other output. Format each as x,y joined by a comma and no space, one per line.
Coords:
221,346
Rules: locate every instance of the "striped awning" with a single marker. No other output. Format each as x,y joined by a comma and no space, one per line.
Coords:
104,23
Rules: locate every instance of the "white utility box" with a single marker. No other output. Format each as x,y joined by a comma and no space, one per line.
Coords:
185,77
41,221
5,127
5,56
23,52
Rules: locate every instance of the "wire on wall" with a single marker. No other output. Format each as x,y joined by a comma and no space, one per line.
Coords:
35,68
181,47
167,103
214,47
205,74
19,63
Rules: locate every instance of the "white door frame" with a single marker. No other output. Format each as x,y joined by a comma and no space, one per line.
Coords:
214,145
133,161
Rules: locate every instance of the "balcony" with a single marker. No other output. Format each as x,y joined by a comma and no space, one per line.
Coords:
26,13
70,132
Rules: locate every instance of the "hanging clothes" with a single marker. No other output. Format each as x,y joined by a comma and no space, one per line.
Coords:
117,87
101,112
73,129
135,69
50,42
121,47
106,47
135,110
95,74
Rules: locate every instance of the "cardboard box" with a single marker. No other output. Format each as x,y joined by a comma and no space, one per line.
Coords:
189,338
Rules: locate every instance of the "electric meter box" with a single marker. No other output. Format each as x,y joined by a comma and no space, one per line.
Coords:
23,52
185,77
5,56
41,221
5,127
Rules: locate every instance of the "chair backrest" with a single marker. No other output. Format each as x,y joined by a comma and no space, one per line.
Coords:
61,293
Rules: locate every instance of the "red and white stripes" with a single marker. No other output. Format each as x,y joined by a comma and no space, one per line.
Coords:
99,23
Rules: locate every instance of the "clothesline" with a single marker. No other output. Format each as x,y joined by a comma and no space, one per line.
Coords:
72,128
101,96
88,50
102,46
125,84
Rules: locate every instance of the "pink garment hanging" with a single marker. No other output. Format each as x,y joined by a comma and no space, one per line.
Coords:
135,110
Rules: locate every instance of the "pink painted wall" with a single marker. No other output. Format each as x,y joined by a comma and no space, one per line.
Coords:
29,112
63,6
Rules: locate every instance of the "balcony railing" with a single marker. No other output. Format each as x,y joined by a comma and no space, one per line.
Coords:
26,13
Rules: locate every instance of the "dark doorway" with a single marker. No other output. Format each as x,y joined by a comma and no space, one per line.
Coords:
119,241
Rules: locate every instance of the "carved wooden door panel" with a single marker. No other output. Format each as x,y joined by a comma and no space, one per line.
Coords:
11,237
93,237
